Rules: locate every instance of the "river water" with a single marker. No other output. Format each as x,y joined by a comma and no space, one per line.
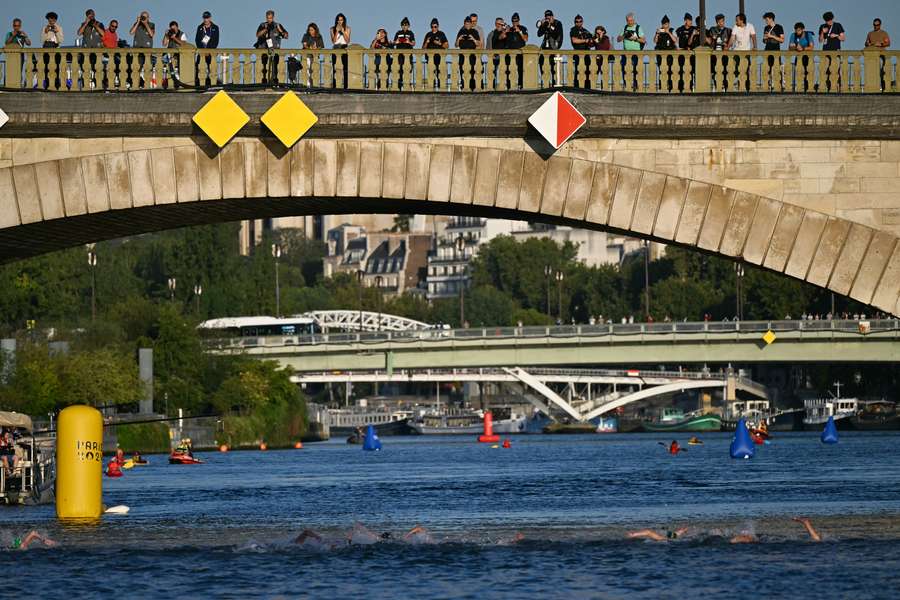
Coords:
225,528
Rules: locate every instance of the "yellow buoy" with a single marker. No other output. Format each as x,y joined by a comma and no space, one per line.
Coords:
79,463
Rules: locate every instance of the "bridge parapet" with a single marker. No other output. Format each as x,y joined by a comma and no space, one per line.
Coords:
356,68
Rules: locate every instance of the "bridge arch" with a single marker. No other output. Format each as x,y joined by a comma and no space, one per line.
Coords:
55,204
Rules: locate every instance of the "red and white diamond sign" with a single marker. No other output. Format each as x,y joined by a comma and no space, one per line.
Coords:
557,120
3,118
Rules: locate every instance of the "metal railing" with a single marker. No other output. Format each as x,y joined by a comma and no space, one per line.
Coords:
637,376
356,68
857,329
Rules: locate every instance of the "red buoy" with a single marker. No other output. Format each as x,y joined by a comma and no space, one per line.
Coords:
506,443
488,437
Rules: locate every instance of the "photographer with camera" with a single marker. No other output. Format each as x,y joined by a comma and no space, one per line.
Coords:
633,40
581,40
664,39
143,31
268,37
467,38
719,38
516,38
17,37
91,31
552,33
497,41
52,34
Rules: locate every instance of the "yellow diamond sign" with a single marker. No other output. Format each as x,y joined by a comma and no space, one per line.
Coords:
221,118
289,119
769,337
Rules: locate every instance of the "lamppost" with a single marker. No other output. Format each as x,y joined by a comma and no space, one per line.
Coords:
360,276
276,254
547,272
460,249
172,283
701,21
92,263
378,281
198,291
738,291
559,279
647,278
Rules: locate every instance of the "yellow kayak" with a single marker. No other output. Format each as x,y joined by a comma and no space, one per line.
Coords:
128,464
695,442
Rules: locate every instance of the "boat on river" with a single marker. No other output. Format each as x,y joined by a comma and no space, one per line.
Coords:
180,457
818,410
674,419
33,479
876,415
345,421
467,421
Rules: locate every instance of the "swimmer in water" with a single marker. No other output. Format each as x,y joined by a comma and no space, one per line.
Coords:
649,534
744,538
418,535
813,534
307,535
32,537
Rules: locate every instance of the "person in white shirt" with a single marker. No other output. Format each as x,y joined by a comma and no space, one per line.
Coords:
743,36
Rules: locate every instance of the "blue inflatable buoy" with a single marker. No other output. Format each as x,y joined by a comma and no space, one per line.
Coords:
830,434
371,442
742,446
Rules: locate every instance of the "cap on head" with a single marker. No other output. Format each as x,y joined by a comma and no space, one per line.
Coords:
579,18
207,14
434,22
665,19
688,17
548,13
515,16
405,21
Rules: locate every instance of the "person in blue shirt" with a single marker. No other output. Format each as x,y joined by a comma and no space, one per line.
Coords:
802,41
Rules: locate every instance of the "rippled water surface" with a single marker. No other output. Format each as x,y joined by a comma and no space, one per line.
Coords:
225,528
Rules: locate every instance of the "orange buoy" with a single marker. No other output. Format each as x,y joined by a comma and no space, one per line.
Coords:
506,443
298,445
263,447
488,437
223,448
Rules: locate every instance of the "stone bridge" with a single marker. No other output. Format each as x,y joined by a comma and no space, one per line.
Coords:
801,186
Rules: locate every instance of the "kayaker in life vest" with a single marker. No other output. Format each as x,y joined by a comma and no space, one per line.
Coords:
120,455
674,448
113,469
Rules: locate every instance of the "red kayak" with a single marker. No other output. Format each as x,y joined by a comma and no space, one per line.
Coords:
179,458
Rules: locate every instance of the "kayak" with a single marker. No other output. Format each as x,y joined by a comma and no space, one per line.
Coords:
696,443
128,464
183,459
139,463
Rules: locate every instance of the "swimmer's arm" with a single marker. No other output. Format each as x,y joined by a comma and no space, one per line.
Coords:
646,534
414,531
813,534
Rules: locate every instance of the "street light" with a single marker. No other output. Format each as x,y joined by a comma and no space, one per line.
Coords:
559,279
547,272
92,263
647,278
172,284
198,291
276,254
378,280
460,249
738,291
360,275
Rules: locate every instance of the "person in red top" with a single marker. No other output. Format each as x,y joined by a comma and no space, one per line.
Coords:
113,469
674,448
110,36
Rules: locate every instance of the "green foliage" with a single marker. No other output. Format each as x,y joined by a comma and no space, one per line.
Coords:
145,438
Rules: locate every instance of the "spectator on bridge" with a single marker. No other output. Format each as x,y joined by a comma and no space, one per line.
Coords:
91,31
17,37
743,37
801,41
340,39
111,35
601,40
479,29
207,37
312,39
143,30
404,39
831,33
719,38
580,38
664,39
467,38
268,37
688,34
516,38
52,35
633,40
496,40
878,37
174,36
773,34
381,42
552,33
